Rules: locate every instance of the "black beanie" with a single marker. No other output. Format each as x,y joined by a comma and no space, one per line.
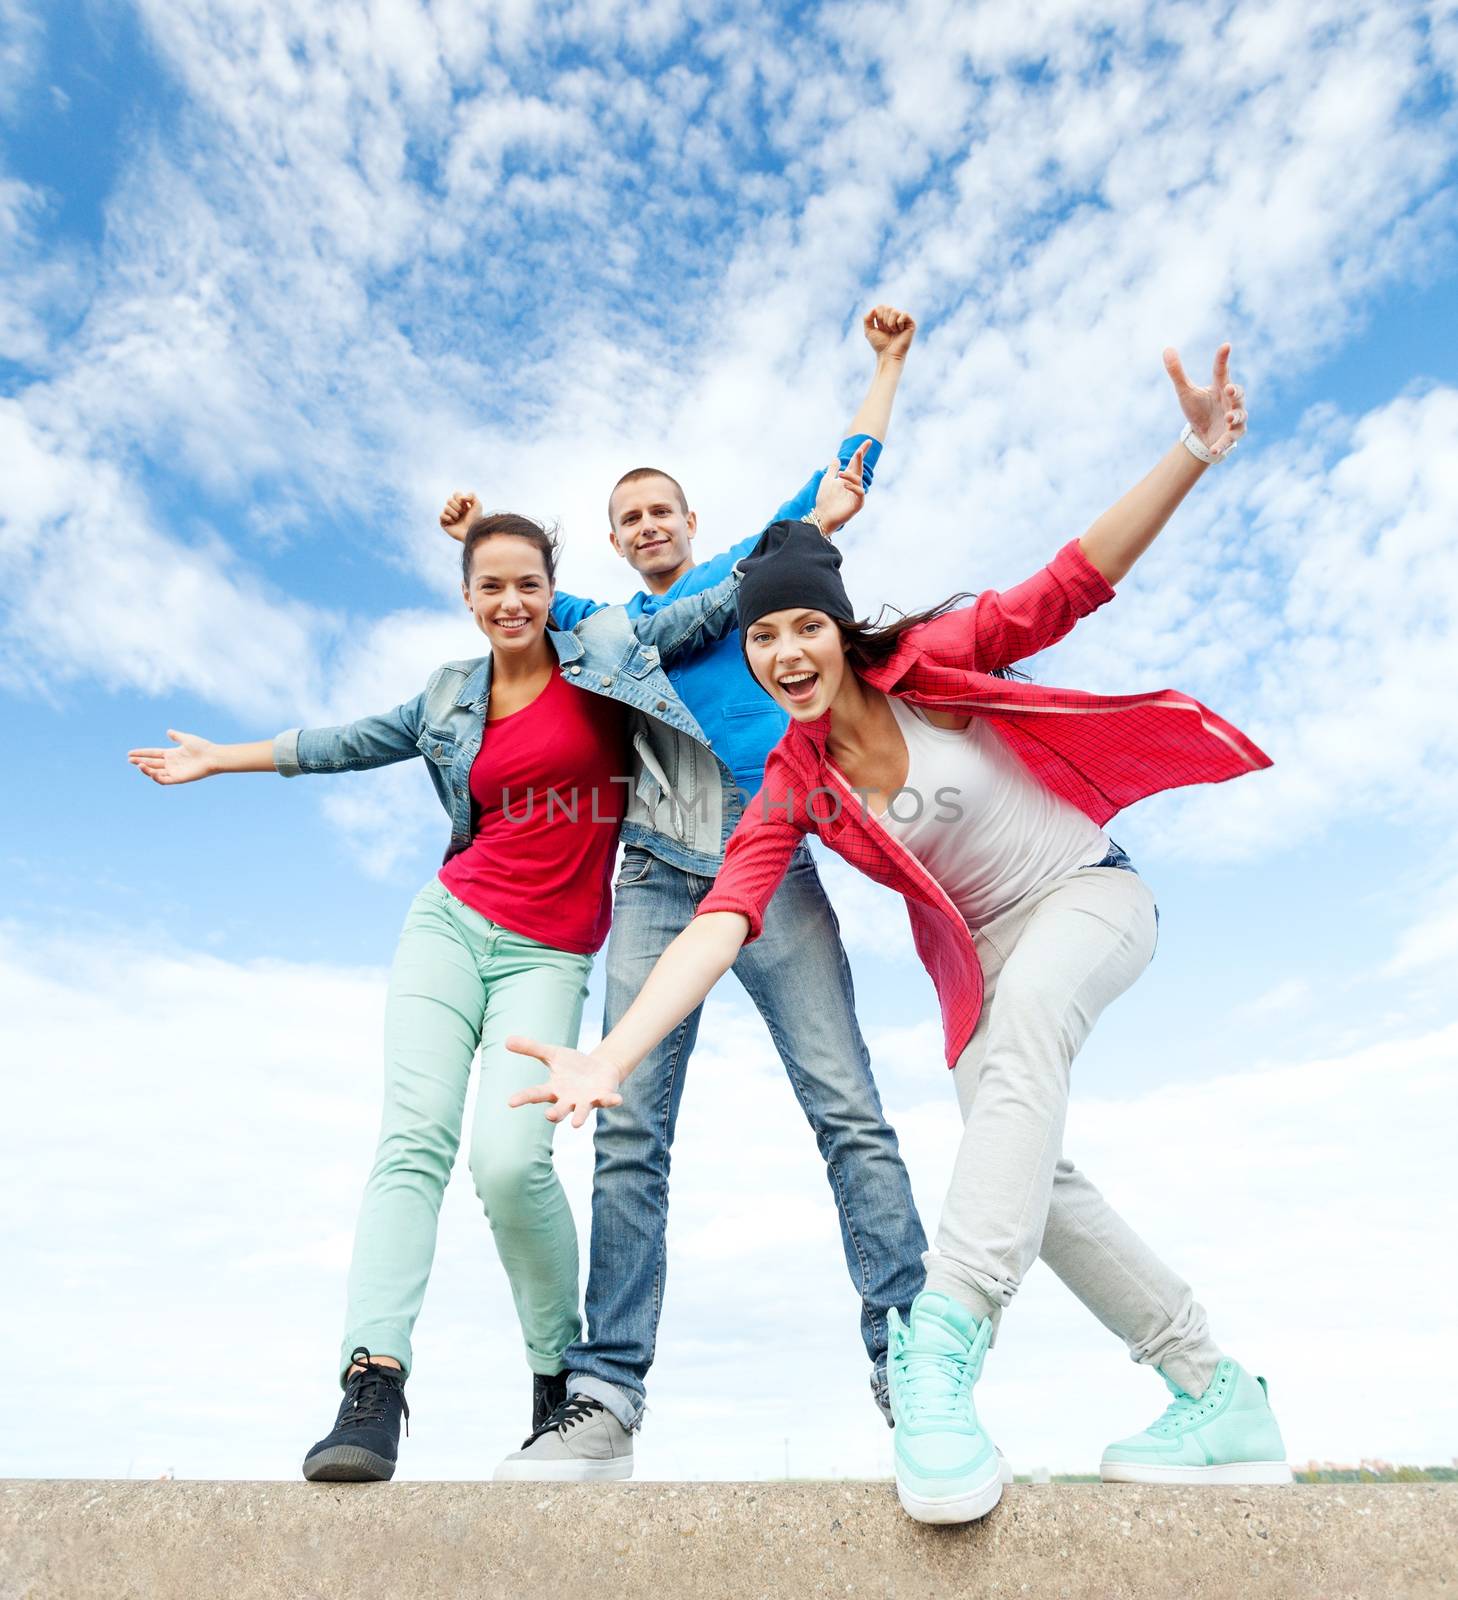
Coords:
793,565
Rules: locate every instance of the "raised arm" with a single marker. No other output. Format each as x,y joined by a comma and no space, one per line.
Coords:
1217,418
999,628
889,333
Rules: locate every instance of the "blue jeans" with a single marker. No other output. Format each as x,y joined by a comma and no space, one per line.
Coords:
797,975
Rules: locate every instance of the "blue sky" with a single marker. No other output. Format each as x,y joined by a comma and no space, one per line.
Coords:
272,285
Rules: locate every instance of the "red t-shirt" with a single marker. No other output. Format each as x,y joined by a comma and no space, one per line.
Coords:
547,818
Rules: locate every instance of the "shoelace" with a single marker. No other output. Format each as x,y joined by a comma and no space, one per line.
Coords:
575,1408
933,1380
367,1396
1173,1414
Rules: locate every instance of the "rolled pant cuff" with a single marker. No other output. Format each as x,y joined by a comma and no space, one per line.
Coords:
881,1393
626,1407
948,1277
545,1366
1193,1370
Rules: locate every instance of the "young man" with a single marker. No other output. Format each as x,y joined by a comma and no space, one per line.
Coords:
683,810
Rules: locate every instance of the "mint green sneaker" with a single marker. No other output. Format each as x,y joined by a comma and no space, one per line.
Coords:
1228,1435
947,1469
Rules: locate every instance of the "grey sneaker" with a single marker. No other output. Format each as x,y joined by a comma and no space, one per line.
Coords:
880,1391
581,1442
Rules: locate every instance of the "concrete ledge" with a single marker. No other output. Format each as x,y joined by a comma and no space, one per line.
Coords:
68,1540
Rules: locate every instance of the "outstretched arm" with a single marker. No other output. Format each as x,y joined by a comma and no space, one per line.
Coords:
730,915
352,747
191,757
683,976
1217,420
889,333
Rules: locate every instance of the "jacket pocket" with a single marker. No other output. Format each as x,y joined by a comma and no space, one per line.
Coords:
439,748
643,660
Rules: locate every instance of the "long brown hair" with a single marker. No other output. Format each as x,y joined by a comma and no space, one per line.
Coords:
872,644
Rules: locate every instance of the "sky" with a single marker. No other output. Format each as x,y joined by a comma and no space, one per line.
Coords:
274,281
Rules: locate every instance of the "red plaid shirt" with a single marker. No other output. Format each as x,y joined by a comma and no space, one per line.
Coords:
1098,752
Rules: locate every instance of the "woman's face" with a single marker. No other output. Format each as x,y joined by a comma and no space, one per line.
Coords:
799,658
509,594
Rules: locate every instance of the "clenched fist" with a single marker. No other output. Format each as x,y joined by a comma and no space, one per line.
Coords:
889,332
458,513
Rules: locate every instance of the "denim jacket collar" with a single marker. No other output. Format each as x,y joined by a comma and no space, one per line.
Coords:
476,690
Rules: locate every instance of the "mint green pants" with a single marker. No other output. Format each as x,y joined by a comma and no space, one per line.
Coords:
460,981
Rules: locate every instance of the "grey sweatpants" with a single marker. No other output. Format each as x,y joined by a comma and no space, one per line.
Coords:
1051,965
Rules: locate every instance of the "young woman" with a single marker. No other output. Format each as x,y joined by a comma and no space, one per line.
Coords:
983,801
527,751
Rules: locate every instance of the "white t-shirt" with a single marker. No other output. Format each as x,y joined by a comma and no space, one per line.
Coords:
979,822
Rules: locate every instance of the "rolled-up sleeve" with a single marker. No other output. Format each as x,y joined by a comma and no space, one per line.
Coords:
999,628
352,746
286,753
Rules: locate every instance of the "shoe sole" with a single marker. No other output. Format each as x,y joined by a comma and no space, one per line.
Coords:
348,1463
1232,1473
968,1506
564,1471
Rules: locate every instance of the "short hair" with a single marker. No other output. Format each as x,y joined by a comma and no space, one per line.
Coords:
637,475
507,524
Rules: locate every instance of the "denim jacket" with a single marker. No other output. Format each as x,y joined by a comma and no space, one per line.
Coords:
608,653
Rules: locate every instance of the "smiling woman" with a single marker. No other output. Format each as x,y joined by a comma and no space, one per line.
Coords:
527,751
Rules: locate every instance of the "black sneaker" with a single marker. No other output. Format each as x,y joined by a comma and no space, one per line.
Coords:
547,1395
366,1437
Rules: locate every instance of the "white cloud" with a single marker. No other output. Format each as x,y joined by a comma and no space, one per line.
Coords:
381,256
96,592
1290,994
189,1137
1321,629
1430,944
871,920
21,34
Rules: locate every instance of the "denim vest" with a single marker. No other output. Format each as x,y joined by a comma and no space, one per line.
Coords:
683,797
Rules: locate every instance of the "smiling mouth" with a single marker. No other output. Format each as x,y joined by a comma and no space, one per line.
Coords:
648,546
511,624
799,687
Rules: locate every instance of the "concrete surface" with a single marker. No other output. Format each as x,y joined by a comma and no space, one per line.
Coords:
69,1540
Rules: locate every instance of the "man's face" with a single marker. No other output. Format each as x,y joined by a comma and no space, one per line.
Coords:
650,528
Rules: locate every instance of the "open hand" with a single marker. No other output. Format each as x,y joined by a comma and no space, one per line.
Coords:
458,513
889,332
575,1082
842,490
189,758
1216,414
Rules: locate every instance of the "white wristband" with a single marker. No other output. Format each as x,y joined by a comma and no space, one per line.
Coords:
1200,451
